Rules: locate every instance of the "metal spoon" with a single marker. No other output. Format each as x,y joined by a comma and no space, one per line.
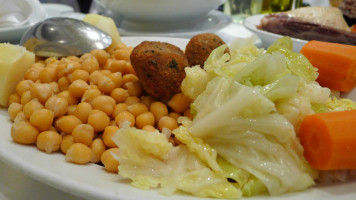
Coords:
64,37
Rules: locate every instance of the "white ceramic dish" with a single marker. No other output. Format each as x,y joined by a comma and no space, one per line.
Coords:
14,34
268,38
92,182
157,11
213,22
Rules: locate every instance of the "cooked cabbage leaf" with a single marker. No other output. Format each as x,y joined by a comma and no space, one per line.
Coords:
150,161
296,62
246,130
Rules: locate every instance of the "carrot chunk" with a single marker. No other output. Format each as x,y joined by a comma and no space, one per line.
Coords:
329,140
353,28
336,64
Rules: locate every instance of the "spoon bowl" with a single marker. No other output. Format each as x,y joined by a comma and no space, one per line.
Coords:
64,37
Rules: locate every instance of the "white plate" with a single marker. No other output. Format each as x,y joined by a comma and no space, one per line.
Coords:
213,22
92,182
14,34
268,38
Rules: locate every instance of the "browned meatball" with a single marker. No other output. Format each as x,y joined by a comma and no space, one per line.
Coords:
160,68
200,46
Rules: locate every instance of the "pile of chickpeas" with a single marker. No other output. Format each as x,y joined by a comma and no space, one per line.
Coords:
75,105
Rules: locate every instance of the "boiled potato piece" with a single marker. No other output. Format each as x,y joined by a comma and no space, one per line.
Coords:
14,61
106,24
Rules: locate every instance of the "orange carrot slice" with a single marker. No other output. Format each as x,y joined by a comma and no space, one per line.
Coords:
336,64
353,28
329,140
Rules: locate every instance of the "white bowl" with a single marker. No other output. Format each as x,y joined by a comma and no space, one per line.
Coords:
158,11
268,38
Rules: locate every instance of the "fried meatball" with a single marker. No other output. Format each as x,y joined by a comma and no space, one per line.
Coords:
159,67
200,46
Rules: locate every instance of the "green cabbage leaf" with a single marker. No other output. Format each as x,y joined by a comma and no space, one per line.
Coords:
150,161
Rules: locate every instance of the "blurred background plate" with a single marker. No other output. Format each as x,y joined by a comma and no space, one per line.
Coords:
14,34
268,38
213,22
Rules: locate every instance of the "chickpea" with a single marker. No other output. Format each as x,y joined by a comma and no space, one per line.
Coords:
94,77
71,100
98,120
147,100
108,134
118,66
98,148
13,110
63,83
71,109
23,86
51,60
78,87
105,84
122,54
14,98
90,65
149,128
73,58
123,117
41,91
66,66
49,141
79,153
54,87
61,70
134,88
25,97
130,69
137,108
79,74
128,78
105,72
20,117
86,56
31,106
24,133
72,66
104,103
101,56
158,110
48,74
67,141
93,87
109,161
119,94
83,133
119,108
57,105
116,77
167,122
42,119
144,119
132,100
174,115
179,102
90,94
67,123
82,111
33,73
